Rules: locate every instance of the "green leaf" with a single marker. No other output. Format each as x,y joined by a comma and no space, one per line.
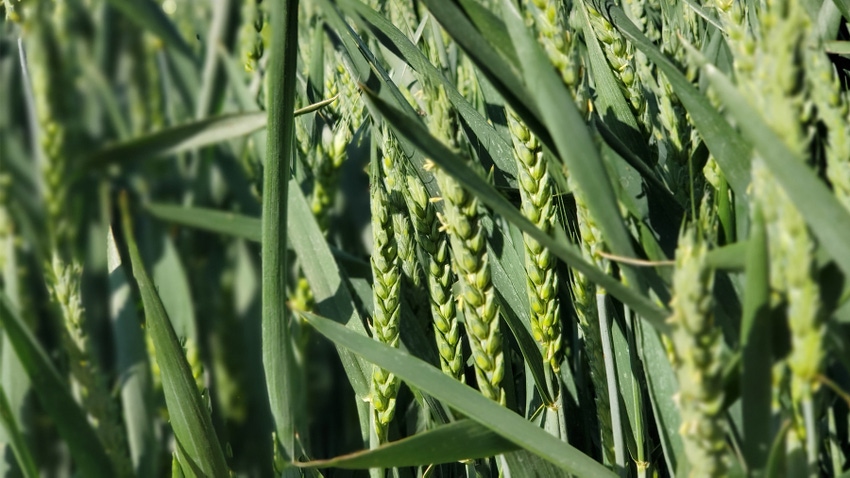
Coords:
491,27
447,159
281,369
729,149
837,47
177,139
132,366
54,395
523,464
756,328
462,398
188,413
730,258
824,214
16,438
844,6
479,46
461,440
185,137
172,285
333,299
777,462
662,386
222,222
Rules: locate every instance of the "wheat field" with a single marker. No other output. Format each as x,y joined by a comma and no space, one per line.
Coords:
425,238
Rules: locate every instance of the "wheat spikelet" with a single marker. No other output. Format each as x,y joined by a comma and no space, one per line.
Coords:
536,191
386,294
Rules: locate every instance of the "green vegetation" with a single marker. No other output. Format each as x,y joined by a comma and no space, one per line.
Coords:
471,238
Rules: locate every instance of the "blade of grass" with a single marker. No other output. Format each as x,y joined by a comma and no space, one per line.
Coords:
461,440
730,258
613,109
330,292
185,137
417,134
132,366
464,399
757,354
503,75
172,285
278,354
188,413
844,6
54,395
662,387
16,438
244,227
222,222
523,464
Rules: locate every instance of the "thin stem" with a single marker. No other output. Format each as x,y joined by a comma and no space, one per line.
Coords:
611,375
811,435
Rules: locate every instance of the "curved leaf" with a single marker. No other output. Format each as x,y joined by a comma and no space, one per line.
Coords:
464,399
